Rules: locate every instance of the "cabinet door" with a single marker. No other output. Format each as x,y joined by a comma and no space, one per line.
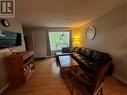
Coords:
14,67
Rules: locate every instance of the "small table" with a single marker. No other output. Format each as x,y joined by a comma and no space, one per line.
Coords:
67,64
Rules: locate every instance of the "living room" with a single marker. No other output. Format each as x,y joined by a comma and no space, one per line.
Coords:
35,20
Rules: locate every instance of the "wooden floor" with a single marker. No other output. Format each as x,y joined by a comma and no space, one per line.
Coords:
46,80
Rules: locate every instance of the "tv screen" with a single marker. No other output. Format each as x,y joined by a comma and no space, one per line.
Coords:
9,39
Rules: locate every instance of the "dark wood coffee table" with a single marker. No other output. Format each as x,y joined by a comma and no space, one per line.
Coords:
67,64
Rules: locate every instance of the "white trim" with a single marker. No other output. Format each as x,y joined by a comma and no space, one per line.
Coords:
117,77
2,90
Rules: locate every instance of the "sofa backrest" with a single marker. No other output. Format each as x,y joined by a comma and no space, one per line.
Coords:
92,54
97,55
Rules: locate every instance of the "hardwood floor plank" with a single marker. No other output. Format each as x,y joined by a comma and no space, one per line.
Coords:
46,80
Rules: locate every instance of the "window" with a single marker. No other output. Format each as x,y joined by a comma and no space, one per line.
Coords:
59,40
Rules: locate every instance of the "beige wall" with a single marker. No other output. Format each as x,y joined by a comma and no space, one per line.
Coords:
76,36
15,27
111,37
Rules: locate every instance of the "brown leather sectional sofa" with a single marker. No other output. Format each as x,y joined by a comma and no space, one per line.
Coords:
90,60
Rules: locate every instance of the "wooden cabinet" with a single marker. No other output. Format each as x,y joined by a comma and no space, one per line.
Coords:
19,66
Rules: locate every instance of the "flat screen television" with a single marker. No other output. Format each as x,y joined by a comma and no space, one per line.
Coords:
9,39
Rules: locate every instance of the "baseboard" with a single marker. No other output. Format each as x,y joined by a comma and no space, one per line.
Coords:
122,80
40,58
4,88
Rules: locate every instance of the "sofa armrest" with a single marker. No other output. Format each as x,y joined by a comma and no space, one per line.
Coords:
82,80
86,67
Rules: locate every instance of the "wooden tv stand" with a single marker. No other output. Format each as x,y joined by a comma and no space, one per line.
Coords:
19,66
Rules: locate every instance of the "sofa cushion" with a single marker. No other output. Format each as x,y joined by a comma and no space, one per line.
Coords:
89,53
73,49
75,54
80,57
86,61
97,64
96,55
100,56
78,50
82,51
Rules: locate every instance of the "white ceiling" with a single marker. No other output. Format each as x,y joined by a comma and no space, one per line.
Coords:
62,13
